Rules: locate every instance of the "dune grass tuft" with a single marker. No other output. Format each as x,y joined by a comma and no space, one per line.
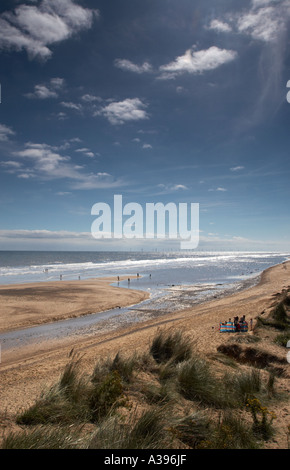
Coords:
171,345
167,397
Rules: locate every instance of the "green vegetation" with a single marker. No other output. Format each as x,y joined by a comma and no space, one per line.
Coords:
282,339
46,437
168,397
279,316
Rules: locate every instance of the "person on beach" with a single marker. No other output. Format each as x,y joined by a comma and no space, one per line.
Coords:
236,326
236,321
230,326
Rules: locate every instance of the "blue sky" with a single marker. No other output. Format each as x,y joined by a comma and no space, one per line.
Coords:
157,101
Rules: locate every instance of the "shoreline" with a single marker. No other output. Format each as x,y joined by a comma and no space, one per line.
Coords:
21,291
68,328
198,309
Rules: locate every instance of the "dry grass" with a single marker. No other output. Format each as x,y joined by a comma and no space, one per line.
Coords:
168,397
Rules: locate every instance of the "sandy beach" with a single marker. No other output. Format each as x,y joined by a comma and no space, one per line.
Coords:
23,378
26,305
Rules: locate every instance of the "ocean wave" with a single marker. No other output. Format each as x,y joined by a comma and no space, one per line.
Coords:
154,261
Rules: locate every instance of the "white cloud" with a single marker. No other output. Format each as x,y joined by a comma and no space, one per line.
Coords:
39,234
265,24
127,65
91,98
5,132
35,27
57,82
71,105
11,164
86,152
219,189
146,146
82,150
172,187
198,61
180,89
98,180
49,90
26,175
265,20
61,116
119,112
220,26
261,3
237,168
42,92
177,187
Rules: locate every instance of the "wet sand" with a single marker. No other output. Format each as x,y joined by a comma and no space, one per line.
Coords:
24,377
27,305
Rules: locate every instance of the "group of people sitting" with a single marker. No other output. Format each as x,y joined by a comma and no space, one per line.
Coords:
235,326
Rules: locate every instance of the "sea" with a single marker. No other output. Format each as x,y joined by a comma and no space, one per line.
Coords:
173,280
166,268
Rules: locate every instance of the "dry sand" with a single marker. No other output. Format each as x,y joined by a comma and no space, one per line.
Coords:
23,379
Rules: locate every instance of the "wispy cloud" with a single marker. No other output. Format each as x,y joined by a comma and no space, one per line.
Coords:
10,164
172,187
50,90
35,28
264,20
71,105
127,65
41,234
265,24
85,151
91,98
219,189
237,168
46,162
5,132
